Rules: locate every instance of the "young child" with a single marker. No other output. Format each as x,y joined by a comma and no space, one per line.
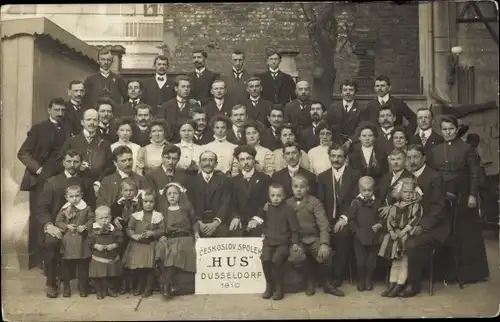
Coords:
75,219
404,215
144,228
120,214
314,231
365,224
176,249
280,226
105,241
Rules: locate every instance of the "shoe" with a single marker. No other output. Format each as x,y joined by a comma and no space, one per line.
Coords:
112,293
278,293
311,286
396,290
147,292
336,283
368,281
66,290
409,291
268,293
51,292
139,289
83,290
125,284
278,282
388,290
330,289
100,296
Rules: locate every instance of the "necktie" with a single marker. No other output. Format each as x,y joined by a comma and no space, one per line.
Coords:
423,138
238,135
198,74
274,75
161,79
207,178
76,107
133,103
346,108
181,104
382,102
237,75
255,103
388,136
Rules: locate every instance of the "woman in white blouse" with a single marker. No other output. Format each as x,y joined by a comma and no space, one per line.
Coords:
124,132
288,134
190,152
264,158
318,156
149,156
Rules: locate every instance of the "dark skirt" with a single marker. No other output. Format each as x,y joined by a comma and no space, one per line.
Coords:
99,269
139,255
178,252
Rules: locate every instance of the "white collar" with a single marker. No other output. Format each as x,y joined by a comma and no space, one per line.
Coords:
237,72
185,144
274,71
360,196
87,134
105,73
200,71
158,75
248,174
53,121
293,169
131,100
254,99
349,104
385,98
419,171
397,174
427,132
74,103
102,125
221,140
235,128
165,170
207,175
367,149
173,208
80,206
156,218
97,226
387,131
219,100
338,172
121,143
122,174
68,175
180,100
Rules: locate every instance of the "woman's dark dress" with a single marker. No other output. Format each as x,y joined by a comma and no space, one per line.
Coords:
458,164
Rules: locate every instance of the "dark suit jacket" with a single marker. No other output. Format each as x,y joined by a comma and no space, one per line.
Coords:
301,118
231,137
73,118
96,85
268,140
308,139
211,108
384,191
361,218
379,165
348,191
385,144
283,177
200,87
280,90
126,109
236,88
433,140
34,152
259,112
169,111
109,193
155,96
346,122
248,199
399,107
206,137
313,222
111,136
158,180
216,192
140,137
436,220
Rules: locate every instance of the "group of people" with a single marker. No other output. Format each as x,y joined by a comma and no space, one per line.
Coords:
124,177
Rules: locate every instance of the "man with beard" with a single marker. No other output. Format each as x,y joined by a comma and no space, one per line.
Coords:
337,187
291,154
141,131
218,104
249,193
238,117
236,79
203,134
309,136
270,138
178,110
74,108
109,193
201,78
51,200
347,115
134,93
401,110
39,153
278,87
318,156
397,162
159,88
297,112
386,120
424,135
96,152
222,148
257,107
105,83
107,125
210,197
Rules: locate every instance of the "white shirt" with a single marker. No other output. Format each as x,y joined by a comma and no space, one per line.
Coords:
319,160
219,103
367,153
419,171
68,175
387,132
254,100
247,175
224,151
53,121
87,135
142,128
384,98
236,131
199,71
274,71
207,176
189,152
395,176
133,146
427,132
161,83
122,174
75,104
348,104
337,174
293,170
105,73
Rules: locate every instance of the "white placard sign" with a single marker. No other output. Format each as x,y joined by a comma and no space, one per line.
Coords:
229,266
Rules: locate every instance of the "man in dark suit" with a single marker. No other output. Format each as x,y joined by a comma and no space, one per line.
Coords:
218,104
50,201
105,83
236,79
177,110
401,110
309,136
291,154
159,88
397,162
249,193
238,117
337,187
278,87
201,78
203,133
424,134
297,112
141,131
107,125
109,191
346,115
257,107
211,198
434,227
270,138
74,107
386,120
134,92
39,153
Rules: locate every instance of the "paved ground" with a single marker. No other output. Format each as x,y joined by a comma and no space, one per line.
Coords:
23,299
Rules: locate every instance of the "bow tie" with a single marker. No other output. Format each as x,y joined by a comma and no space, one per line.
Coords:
160,79
368,202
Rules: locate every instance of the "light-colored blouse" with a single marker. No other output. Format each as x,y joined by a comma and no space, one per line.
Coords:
189,152
149,157
319,160
224,151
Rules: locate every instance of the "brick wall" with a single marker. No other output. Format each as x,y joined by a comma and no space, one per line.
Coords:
389,32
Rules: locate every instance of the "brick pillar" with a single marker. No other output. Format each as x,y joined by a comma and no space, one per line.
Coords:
288,64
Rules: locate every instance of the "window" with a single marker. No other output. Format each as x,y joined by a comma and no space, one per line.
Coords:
152,10
121,9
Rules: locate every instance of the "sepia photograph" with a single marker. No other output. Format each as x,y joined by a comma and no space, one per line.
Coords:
250,161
